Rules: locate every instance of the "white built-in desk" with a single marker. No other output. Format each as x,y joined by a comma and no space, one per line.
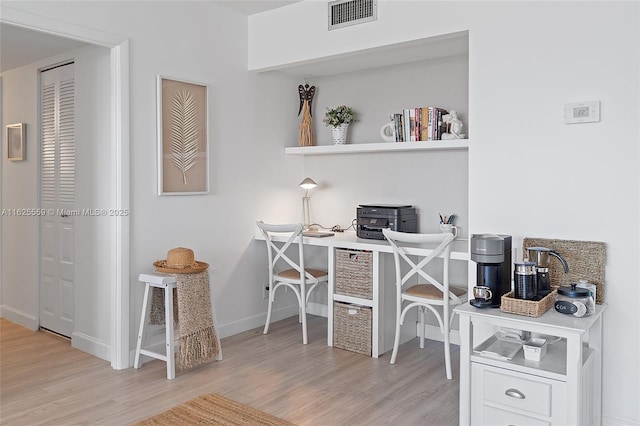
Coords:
383,309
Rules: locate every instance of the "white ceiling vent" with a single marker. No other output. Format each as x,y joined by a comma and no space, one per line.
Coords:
343,13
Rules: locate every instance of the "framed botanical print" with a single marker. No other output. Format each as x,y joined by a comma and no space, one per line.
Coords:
183,137
16,140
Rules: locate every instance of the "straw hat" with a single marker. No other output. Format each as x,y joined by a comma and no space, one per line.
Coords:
180,260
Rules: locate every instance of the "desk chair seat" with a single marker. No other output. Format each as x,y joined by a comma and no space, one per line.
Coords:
296,277
429,291
425,296
295,274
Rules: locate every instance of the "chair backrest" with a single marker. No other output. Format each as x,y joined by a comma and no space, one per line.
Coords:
403,254
276,251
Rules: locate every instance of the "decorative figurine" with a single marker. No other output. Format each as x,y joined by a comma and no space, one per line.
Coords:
454,126
305,135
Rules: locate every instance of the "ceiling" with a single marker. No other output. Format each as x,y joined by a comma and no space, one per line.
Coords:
20,46
248,7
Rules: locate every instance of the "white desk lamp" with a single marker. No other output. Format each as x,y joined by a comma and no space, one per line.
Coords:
306,184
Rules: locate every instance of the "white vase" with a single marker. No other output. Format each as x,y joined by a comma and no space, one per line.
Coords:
340,134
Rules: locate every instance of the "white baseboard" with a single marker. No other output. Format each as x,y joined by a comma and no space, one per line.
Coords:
236,327
613,421
319,309
19,317
91,345
433,332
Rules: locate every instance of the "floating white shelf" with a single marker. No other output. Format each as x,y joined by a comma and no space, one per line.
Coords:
460,144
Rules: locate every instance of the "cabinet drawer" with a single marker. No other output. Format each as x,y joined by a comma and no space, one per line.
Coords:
525,393
497,417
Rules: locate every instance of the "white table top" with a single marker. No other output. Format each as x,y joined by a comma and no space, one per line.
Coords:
550,319
349,240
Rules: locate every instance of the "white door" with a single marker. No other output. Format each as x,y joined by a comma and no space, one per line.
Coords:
57,198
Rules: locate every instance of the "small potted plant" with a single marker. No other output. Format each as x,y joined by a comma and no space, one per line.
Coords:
339,119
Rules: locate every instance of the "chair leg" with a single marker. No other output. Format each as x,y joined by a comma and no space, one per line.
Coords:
169,344
271,297
303,312
422,317
447,346
396,341
143,320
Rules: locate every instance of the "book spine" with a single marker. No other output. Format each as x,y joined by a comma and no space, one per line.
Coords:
397,120
418,123
430,124
406,123
441,113
424,123
412,125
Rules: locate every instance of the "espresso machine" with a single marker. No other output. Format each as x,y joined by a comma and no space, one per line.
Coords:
492,254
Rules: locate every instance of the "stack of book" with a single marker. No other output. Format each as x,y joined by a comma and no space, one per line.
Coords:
419,124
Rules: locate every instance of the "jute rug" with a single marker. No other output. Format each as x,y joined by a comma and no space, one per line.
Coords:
213,409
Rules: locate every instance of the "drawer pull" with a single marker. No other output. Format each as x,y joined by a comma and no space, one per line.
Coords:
514,393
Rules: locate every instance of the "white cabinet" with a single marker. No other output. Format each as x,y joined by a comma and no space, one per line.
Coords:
563,388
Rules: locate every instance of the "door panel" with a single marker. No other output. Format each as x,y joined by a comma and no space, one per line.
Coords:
57,197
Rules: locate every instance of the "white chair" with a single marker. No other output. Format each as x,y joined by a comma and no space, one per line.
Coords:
296,277
429,295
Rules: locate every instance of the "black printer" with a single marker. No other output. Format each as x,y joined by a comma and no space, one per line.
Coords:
372,219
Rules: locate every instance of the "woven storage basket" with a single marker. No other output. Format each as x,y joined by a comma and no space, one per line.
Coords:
530,308
352,328
354,273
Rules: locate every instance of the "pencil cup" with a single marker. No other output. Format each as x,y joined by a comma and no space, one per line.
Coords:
447,227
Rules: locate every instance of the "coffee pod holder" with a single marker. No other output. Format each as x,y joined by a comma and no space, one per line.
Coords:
529,308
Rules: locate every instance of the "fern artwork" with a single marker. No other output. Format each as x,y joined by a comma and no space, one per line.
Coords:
184,132
183,167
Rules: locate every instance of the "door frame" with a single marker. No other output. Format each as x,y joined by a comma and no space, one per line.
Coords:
119,187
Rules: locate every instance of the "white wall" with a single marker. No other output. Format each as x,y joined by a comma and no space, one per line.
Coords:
529,174
19,180
94,172
433,182
589,170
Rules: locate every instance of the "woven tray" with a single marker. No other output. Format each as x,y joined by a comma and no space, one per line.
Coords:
586,260
529,308
354,273
352,328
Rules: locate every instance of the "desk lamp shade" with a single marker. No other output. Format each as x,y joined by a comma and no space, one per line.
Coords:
306,184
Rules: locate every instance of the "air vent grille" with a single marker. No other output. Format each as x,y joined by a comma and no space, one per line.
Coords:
343,13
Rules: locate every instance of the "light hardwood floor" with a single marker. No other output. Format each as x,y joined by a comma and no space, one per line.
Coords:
45,381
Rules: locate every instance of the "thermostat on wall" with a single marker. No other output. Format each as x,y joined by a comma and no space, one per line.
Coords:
582,112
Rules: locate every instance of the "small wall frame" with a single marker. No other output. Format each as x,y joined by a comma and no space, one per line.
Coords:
183,137
16,140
